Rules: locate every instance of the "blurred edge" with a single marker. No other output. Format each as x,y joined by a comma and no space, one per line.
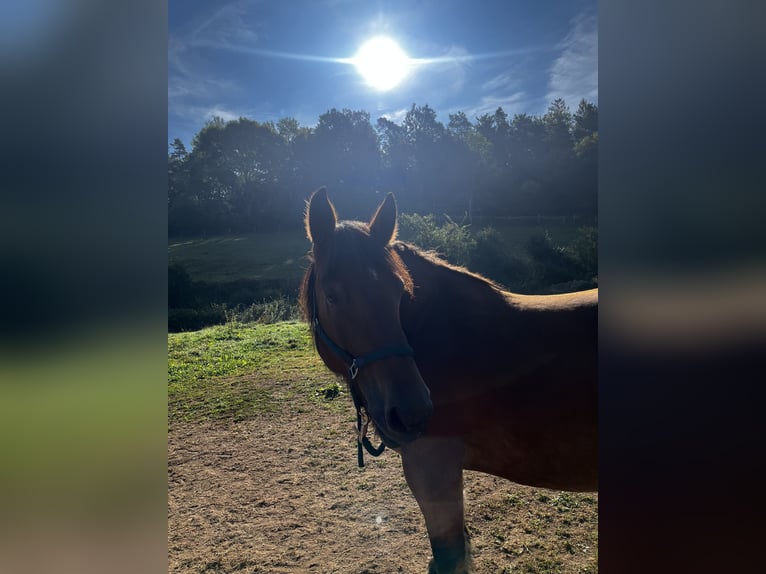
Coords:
83,100
682,278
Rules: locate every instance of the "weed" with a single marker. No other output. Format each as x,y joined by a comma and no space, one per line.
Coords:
329,392
266,312
498,535
543,566
564,501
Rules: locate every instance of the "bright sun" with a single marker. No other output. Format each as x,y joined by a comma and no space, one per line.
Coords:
382,63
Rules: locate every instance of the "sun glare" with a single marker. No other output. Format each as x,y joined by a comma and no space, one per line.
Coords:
382,63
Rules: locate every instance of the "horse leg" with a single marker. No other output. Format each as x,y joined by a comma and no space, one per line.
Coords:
434,473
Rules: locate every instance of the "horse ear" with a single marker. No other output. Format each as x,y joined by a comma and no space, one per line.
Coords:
320,217
383,223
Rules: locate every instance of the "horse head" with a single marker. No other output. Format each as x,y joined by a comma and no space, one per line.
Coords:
352,295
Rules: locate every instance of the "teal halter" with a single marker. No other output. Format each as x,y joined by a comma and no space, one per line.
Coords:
354,363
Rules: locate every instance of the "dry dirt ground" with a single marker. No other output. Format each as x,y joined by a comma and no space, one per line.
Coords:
282,493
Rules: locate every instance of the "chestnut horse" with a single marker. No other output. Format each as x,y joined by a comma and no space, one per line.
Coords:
454,372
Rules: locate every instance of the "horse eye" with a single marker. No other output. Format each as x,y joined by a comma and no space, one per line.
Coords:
331,300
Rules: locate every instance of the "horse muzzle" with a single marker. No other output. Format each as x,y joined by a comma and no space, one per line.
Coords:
399,425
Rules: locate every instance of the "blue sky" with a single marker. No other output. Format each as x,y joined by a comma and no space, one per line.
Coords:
266,60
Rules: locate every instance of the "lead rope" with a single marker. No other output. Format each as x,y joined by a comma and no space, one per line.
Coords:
362,421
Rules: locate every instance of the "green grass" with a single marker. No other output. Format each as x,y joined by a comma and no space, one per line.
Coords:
236,371
277,255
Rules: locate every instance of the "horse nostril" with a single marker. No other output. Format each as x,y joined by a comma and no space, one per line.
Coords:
397,424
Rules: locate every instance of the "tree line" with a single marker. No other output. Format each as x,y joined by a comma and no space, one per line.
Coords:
244,175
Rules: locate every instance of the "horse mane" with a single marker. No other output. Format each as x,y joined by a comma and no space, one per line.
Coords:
433,259
303,291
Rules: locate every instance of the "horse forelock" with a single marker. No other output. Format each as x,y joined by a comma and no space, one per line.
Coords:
352,250
304,295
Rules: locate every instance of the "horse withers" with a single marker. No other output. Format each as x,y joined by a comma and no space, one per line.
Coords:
454,372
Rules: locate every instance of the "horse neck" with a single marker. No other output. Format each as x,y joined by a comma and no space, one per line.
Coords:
455,313
447,297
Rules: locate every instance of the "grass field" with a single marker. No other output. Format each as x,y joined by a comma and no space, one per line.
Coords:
276,255
280,255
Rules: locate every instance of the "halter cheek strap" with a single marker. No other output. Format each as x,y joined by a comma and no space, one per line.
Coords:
355,363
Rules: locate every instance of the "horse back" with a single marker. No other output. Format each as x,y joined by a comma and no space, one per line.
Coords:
516,377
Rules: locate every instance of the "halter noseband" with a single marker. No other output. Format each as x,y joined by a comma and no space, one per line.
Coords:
355,363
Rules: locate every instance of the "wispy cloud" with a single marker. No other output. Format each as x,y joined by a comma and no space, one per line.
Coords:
227,25
502,81
200,114
488,104
574,74
196,92
449,70
185,83
195,97
508,88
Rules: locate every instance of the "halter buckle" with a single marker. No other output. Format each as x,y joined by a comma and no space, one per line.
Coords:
353,370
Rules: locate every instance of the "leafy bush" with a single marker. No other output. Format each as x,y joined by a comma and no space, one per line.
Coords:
584,250
180,287
451,240
543,266
193,304
561,268
551,263
489,253
492,257
188,319
267,311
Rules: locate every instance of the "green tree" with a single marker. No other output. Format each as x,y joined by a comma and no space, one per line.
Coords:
558,124
235,171
245,175
342,152
473,163
586,152
290,129
429,183
558,173
585,120
184,213
396,156
177,170
459,125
